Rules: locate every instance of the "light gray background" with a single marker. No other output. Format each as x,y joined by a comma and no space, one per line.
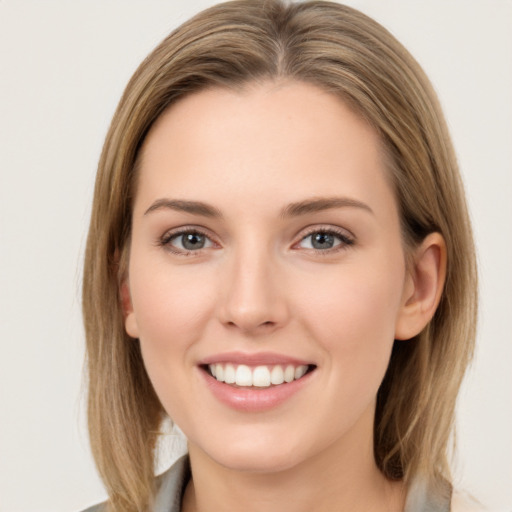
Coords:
62,70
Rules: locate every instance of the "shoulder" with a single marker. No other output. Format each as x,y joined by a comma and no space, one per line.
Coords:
463,502
100,507
170,484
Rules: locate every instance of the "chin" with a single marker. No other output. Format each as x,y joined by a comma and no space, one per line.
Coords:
255,461
255,453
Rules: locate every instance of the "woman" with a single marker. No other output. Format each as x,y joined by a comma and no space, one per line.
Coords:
280,260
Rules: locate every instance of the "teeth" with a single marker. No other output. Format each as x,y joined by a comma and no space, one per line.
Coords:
219,372
229,374
261,377
277,375
258,376
300,371
243,376
289,373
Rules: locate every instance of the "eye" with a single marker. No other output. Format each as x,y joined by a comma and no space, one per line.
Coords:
187,241
325,240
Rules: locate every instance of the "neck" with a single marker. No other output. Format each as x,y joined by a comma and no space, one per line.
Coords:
343,477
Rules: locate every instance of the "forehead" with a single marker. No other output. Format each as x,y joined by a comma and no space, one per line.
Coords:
274,141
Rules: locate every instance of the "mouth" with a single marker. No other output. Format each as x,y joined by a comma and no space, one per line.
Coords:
257,377
256,382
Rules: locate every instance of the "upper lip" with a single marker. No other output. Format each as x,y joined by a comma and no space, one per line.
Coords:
254,359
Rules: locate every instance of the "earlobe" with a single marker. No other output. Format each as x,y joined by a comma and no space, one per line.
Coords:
130,322
423,288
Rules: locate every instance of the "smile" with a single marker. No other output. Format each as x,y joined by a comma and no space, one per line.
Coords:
255,382
262,376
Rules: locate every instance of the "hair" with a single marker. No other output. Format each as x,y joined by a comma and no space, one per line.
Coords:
348,54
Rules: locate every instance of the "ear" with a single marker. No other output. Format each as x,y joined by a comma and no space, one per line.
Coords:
423,287
130,321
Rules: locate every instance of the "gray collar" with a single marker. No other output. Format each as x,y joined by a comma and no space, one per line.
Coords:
421,498
172,485
173,482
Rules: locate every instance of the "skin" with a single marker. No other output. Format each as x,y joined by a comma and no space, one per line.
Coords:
259,285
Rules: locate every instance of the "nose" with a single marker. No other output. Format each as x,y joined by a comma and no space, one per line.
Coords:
254,293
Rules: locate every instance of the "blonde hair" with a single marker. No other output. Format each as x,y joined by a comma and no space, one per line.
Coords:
348,54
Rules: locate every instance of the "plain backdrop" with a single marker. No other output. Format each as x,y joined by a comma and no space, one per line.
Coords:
63,67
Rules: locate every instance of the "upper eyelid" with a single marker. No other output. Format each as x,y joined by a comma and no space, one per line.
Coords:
315,228
188,229
346,238
303,233
165,241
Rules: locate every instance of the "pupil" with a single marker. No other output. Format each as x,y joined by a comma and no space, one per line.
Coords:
193,241
323,241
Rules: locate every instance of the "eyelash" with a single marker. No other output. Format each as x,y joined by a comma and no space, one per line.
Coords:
346,241
165,240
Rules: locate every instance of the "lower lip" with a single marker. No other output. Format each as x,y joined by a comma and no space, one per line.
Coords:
254,399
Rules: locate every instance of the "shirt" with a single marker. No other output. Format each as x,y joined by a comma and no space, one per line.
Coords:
172,485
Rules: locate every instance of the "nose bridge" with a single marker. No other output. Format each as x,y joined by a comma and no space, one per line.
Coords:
253,297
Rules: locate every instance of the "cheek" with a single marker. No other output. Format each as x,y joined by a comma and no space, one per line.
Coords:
171,308
353,315
167,300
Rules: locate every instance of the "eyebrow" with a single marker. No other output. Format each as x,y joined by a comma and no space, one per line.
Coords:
292,210
321,204
193,207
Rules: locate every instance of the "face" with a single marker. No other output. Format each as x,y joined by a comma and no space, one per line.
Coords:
266,274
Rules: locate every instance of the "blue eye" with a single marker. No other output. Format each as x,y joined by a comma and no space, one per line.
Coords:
186,241
324,240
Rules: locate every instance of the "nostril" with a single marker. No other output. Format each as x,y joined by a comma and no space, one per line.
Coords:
266,324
